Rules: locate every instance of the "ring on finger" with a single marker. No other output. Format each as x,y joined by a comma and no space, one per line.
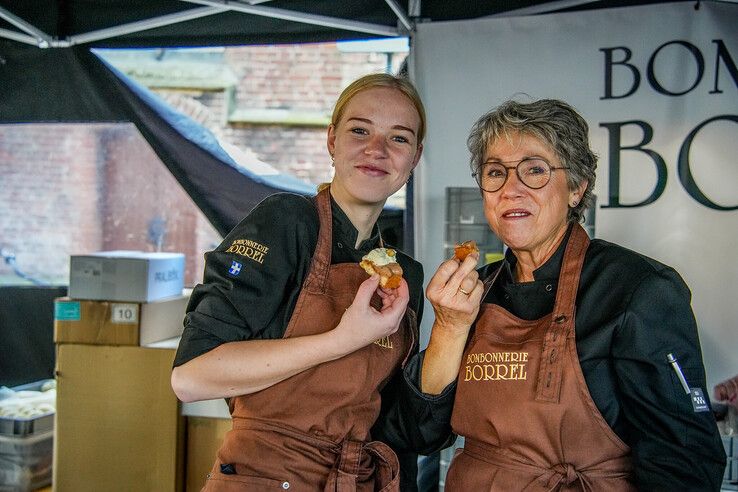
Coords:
461,289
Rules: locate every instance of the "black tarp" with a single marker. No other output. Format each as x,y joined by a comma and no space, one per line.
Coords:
74,85
26,330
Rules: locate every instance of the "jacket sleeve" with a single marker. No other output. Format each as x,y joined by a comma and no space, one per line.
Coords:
674,446
250,276
411,420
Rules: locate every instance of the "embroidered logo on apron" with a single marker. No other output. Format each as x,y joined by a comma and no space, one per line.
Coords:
496,366
249,249
384,342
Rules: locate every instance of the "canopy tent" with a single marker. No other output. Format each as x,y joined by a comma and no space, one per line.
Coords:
166,23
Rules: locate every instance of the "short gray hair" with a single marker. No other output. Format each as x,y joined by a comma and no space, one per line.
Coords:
555,124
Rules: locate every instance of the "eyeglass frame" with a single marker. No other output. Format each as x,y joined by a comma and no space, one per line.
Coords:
507,173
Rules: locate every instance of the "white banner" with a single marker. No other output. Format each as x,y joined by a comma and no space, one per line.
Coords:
658,86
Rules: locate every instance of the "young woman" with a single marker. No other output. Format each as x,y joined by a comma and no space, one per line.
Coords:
307,348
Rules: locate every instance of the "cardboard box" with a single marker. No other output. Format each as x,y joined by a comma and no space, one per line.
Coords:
204,438
133,276
118,323
118,422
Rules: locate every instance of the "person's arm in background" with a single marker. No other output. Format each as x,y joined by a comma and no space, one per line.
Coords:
673,446
411,421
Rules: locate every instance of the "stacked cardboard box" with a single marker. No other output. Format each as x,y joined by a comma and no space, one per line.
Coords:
118,323
118,422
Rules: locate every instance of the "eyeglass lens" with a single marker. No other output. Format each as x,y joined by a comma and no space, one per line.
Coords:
534,173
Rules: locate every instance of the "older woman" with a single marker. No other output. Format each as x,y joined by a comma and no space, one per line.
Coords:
564,373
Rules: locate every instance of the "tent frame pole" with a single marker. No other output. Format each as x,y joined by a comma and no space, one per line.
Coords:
290,15
143,25
41,39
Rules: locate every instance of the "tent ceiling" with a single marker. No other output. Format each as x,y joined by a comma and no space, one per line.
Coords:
166,23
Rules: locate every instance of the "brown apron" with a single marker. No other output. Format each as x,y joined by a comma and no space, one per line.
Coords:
524,408
311,431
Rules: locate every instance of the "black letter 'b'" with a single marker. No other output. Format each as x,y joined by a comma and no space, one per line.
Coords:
624,62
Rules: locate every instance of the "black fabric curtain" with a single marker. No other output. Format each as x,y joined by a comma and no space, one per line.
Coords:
27,351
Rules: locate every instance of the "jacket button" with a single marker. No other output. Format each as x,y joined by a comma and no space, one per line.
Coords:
549,287
340,245
285,485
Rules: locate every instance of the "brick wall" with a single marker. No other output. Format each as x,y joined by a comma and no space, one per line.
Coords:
37,162
144,206
300,151
69,189
299,77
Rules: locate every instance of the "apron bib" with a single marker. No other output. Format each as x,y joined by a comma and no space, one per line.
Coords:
523,405
311,432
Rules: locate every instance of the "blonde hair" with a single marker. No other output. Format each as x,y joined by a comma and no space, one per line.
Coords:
373,81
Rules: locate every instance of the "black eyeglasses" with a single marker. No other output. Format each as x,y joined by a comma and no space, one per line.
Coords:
533,172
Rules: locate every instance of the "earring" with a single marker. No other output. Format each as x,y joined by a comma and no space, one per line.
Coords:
333,160
409,177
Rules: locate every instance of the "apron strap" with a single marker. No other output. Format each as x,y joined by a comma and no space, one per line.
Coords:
548,386
317,278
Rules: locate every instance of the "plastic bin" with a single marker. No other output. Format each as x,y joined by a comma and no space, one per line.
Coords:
25,461
26,443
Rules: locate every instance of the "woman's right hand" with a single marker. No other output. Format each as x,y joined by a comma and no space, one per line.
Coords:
455,292
362,324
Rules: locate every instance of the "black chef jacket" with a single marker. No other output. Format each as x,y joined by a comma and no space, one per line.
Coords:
631,311
254,298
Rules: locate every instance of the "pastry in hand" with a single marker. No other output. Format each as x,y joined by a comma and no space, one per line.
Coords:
461,251
383,262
